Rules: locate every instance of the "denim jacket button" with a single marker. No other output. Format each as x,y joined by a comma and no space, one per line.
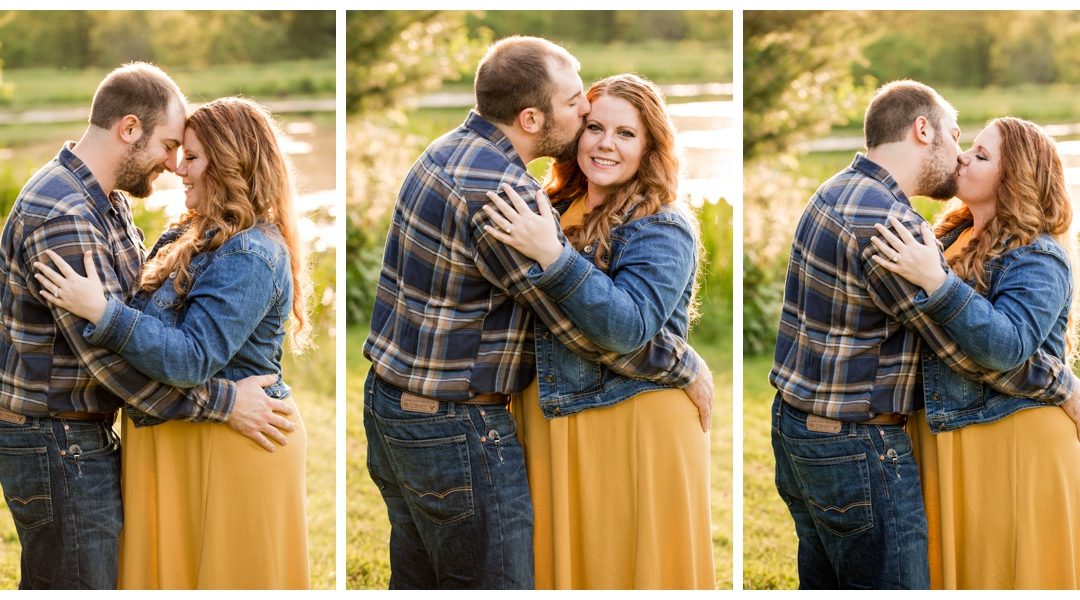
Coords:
549,379
587,248
546,336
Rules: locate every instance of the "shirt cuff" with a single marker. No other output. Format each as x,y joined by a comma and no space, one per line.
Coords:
947,301
220,401
115,327
562,277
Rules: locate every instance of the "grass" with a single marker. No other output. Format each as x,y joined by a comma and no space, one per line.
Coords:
368,530
55,88
312,378
769,543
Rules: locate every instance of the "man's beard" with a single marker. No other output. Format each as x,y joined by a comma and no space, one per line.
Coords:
938,179
548,144
132,175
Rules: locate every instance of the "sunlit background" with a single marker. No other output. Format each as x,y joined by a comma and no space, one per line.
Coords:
51,65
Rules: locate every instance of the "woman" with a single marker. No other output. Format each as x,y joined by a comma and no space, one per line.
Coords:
1002,485
205,507
621,491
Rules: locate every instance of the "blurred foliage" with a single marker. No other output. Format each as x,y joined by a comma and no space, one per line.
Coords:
715,296
607,27
83,39
799,83
976,48
394,55
799,79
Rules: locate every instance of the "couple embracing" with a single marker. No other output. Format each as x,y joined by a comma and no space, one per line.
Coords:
188,340
898,363
534,414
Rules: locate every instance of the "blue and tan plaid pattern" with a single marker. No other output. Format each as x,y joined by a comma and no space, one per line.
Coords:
452,314
850,335
46,366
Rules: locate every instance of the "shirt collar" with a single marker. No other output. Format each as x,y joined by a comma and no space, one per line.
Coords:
69,161
487,130
878,173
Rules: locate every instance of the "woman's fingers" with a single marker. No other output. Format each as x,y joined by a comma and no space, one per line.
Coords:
497,218
519,205
504,208
894,241
497,234
885,249
45,274
544,204
902,231
888,265
91,268
929,239
61,264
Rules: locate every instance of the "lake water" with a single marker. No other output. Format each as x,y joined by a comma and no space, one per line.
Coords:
710,146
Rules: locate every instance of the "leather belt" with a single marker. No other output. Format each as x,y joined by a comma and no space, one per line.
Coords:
486,399
886,419
421,404
83,416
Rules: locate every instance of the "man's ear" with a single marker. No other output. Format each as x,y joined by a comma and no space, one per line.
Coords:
129,128
922,130
531,120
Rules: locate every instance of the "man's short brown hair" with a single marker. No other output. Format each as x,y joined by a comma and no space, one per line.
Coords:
896,105
514,75
139,89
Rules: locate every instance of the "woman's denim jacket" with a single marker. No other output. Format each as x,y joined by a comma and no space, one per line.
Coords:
230,324
647,287
1026,308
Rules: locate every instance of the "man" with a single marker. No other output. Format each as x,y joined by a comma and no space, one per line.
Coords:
847,365
451,334
59,457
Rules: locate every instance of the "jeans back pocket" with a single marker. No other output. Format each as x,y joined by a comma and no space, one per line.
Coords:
838,489
24,475
436,474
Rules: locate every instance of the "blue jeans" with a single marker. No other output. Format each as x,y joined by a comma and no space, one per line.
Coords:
456,493
856,501
61,481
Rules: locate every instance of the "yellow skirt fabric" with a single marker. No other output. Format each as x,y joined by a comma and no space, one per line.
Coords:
207,508
1002,502
620,494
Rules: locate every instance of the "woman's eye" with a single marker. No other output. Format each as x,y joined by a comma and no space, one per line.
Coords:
627,134
593,127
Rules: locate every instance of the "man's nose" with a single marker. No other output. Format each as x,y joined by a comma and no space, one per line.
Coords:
170,162
963,158
584,107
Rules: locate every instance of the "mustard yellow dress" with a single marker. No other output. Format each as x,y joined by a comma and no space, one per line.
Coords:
1002,499
620,494
207,508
